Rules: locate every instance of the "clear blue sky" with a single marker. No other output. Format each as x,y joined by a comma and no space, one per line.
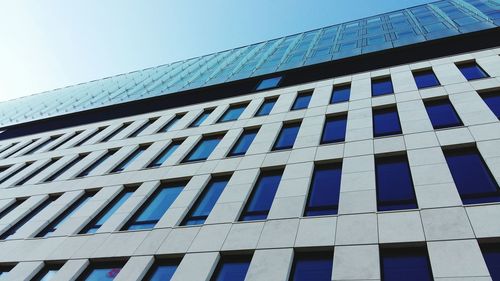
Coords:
56,43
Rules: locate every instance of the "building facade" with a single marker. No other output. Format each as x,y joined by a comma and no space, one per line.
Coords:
293,159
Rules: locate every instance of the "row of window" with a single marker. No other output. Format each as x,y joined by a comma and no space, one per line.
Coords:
396,263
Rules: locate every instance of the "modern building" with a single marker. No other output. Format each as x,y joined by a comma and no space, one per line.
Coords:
368,150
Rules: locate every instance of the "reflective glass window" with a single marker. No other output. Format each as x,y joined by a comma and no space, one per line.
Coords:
203,116
233,113
386,122
324,191
410,264
101,272
204,148
171,123
425,79
165,154
269,83
334,129
493,102
266,107
442,114
340,93
262,196
162,270
491,254
130,159
232,268
394,184
317,266
47,273
244,142
382,86
302,100
472,71
287,136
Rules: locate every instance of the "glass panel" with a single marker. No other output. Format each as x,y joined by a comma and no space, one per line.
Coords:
382,87
204,115
287,136
262,196
386,122
130,159
334,129
269,83
472,71
171,123
103,158
324,191
442,114
204,148
341,94
410,264
302,101
231,268
312,266
266,107
162,271
101,272
394,184
244,142
491,254
425,79
493,102
165,154
233,113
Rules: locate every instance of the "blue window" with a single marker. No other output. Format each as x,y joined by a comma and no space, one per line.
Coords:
491,254
474,181
142,128
162,270
472,71
65,141
382,86
116,132
244,142
425,79
262,196
47,273
204,148
206,202
54,225
287,136
268,83
386,122
203,116
341,93
66,167
45,143
493,102
233,113
131,158
394,184
266,107
317,266
410,264
232,268
38,171
110,209
442,114
101,272
165,154
154,208
302,100
334,129
171,123
13,229
324,192
84,140
96,164
25,165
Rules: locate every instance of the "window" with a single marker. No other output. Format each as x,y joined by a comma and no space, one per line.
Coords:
232,268
206,202
25,165
386,122
287,136
101,271
162,270
38,147
19,149
143,127
65,141
11,207
324,191
131,158
474,181
96,164
110,209
493,102
266,107
491,254
425,79
317,266
233,113
268,83
13,229
171,123
262,196
472,71
411,263
47,273
4,269
244,142
394,184
382,86
116,132
204,148
66,167
442,114
165,154
56,223
341,93
334,129
37,171
84,140
154,208
204,115
302,100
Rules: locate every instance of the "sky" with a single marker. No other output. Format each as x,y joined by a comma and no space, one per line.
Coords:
51,44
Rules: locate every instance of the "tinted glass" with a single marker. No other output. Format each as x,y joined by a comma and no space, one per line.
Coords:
244,142
204,115
394,184
410,264
233,113
442,114
96,164
425,79
302,101
386,122
491,254
287,136
203,149
493,102
382,87
262,196
269,83
47,273
162,271
155,207
472,177
231,269
324,190
107,212
165,154
341,94
472,71
101,273
266,107
312,266
171,123
334,129
130,159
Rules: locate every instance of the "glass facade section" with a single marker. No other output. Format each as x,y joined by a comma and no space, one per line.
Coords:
491,254
269,83
171,123
302,100
425,79
382,86
386,122
334,129
233,113
266,107
341,93
493,102
244,142
472,71
162,270
165,154
232,268
262,196
204,148
317,266
130,159
96,164
204,115
287,136
101,272
324,191
47,273
442,114
405,264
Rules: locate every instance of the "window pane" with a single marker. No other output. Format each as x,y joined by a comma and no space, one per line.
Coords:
472,71
233,113
405,264
204,115
262,196
287,136
204,148
165,154
334,130
325,190
472,177
302,101
244,142
382,87
232,269
269,83
266,107
171,123
442,114
47,273
386,122
312,266
394,184
425,79
101,272
130,159
493,102
341,94
96,164
491,254
162,271
205,203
